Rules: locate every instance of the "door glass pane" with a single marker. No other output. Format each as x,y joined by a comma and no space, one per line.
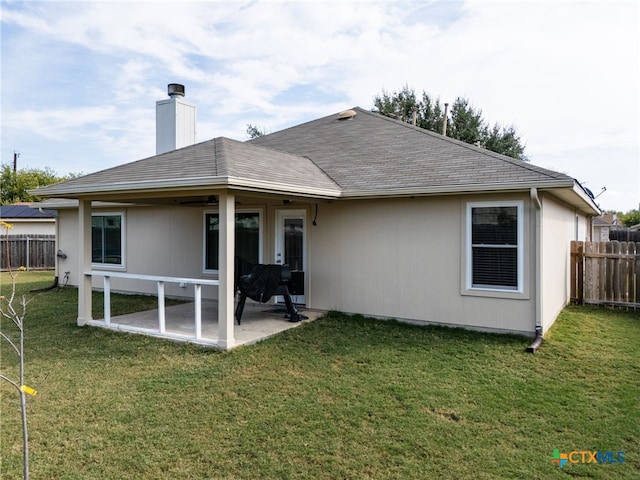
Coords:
293,243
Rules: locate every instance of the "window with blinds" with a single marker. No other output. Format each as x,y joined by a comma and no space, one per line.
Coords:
495,251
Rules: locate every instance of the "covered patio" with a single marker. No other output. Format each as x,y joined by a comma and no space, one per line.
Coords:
259,321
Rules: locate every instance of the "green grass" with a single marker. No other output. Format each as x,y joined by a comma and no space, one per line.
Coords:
342,397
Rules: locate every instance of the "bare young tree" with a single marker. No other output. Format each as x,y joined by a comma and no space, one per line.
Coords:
15,309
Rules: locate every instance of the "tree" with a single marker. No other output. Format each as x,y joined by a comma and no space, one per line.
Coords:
254,132
16,310
14,186
399,105
504,140
464,122
631,218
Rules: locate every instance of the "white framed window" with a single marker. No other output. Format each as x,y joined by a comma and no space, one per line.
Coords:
494,246
248,237
108,239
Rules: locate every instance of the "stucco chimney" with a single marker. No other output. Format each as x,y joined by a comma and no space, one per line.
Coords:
175,121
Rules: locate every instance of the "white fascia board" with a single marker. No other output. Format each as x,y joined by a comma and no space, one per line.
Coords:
185,184
579,191
30,220
133,187
456,189
69,204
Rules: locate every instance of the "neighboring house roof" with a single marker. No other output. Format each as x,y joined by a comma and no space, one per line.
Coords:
605,220
362,156
25,212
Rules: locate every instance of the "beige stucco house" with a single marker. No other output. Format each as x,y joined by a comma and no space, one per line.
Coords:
28,221
379,217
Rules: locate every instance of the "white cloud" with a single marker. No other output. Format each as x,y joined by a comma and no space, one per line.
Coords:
565,73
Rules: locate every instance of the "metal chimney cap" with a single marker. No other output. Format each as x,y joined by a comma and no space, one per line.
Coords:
175,90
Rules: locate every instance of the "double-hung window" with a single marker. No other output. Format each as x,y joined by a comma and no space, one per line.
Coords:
107,239
247,238
495,246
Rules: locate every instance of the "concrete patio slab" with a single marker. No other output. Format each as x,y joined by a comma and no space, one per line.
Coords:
259,321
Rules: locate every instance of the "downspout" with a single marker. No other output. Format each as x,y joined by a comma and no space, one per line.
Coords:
537,341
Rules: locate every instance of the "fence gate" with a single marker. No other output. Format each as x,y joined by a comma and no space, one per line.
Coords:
34,252
605,273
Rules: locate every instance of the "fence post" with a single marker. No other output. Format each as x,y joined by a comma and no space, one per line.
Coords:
623,272
615,262
577,272
637,273
580,273
591,271
631,272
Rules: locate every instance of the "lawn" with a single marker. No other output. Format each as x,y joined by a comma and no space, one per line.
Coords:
339,398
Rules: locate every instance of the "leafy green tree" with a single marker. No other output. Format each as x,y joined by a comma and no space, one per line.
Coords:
632,217
430,114
399,105
464,122
14,186
504,140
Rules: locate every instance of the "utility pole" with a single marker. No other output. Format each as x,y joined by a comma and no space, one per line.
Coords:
15,161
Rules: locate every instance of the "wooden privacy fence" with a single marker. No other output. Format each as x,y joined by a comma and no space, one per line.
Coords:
625,235
34,252
605,273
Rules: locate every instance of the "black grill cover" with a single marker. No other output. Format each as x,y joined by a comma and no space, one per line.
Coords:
262,283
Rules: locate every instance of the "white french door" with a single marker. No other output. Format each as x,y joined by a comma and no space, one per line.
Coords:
291,236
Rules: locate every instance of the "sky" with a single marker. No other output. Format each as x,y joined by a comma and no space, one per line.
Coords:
80,80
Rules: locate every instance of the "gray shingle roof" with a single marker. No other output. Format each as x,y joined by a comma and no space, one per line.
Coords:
366,155
371,152
216,162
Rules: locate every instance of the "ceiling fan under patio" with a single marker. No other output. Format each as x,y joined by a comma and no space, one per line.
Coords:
210,200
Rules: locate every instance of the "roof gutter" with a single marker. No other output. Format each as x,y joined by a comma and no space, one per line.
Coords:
456,189
185,184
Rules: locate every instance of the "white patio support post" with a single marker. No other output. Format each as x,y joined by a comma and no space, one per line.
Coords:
107,300
161,315
84,262
226,265
197,296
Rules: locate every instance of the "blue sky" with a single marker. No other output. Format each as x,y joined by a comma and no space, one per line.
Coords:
80,79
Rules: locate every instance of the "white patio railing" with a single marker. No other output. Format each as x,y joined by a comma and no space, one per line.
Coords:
160,281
